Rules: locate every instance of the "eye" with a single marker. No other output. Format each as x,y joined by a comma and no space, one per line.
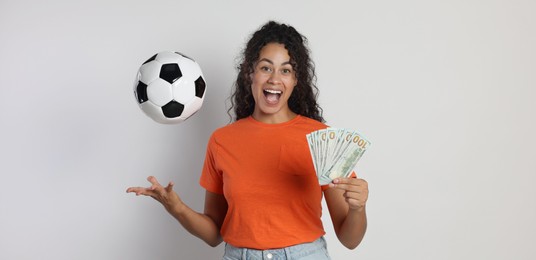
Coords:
264,68
286,71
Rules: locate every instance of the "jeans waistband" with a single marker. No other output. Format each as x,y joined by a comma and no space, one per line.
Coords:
313,250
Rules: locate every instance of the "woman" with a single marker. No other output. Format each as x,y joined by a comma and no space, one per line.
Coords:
262,194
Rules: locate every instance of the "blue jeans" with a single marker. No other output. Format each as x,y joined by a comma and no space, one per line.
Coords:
316,250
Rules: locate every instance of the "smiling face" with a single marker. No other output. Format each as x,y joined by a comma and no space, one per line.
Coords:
273,80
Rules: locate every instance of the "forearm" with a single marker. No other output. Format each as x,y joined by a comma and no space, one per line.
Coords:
197,224
353,228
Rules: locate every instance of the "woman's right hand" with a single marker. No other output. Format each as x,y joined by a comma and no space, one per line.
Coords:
205,225
165,195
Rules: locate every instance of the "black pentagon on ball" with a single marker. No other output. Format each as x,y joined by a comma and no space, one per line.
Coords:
150,59
170,72
141,92
200,87
184,56
172,109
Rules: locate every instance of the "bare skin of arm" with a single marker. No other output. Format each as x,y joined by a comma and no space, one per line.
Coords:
346,200
205,226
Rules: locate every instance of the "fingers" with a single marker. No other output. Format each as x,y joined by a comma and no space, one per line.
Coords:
169,188
355,203
349,196
145,191
154,182
134,189
139,191
349,184
355,191
156,189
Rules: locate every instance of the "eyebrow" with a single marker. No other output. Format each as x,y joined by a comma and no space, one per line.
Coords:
271,62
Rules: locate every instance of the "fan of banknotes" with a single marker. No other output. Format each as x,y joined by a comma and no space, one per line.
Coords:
335,152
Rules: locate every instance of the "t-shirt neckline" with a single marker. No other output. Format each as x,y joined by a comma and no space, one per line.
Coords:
289,122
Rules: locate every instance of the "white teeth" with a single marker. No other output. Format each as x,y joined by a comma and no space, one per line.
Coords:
273,91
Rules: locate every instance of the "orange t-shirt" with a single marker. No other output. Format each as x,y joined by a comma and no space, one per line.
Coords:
266,174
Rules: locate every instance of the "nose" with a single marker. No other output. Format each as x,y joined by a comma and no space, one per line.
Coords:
274,78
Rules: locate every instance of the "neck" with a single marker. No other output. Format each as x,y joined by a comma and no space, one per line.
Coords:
273,118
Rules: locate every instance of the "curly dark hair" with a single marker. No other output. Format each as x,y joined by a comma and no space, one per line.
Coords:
303,100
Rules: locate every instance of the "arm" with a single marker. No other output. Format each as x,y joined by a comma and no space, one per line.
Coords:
346,199
205,226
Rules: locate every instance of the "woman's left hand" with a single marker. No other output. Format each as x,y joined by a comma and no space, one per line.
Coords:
355,191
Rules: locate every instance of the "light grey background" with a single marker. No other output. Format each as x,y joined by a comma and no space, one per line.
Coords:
444,89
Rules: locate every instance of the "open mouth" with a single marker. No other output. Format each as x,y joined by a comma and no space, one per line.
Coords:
272,96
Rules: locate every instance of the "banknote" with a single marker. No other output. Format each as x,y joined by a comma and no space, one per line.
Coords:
335,152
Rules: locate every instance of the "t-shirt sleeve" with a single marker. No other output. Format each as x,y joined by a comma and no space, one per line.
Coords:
211,177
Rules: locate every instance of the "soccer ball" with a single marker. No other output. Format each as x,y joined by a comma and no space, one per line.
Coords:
169,87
